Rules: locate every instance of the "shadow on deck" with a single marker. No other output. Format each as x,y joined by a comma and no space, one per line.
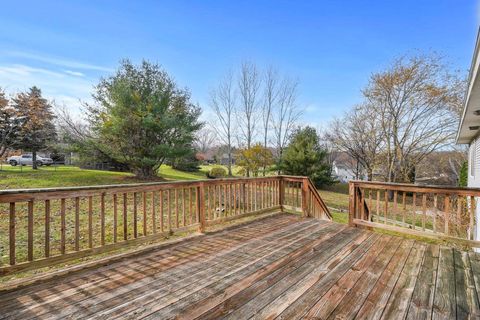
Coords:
281,266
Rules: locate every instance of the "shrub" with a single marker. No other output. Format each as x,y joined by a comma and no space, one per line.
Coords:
217,172
189,163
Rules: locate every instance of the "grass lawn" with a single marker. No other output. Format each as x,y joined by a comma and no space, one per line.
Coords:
337,201
66,176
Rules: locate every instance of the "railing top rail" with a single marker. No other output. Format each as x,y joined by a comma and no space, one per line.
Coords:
415,187
140,185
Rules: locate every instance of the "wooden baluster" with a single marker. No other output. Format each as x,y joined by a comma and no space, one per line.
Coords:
184,213
62,226
245,198
154,209
249,203
190,200
215,202
160,204
435,211
395,207
169,213
208,199
264,195
447,213
305,204
102,219
77,223
200,208
267,194
281,193
90,222
271,194
424,210
274,193
459,224
386,206
234,198
47,228
352,193
362,206
471,227
230,200
378,205
414,211
30,231
404,205
11,233
115,217
125,220
176,209
370,208
224,200
144,213
135,231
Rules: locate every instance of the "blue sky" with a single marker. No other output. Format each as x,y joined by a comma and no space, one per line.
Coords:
332,47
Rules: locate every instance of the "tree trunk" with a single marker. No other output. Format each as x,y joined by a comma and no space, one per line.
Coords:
3,149
145,173
34,160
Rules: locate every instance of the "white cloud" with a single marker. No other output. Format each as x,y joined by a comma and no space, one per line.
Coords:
62,87
57,61
74,73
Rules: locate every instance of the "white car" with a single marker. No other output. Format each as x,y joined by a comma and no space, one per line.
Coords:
27,159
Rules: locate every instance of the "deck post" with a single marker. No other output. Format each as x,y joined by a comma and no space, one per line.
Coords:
304,197
200,208
351,202
281,193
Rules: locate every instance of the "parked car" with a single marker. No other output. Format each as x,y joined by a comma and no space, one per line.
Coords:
27,159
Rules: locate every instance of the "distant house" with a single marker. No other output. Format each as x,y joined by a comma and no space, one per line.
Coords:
342,173
223,159
345,168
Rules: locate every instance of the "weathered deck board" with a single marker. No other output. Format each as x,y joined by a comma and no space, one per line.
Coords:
281,267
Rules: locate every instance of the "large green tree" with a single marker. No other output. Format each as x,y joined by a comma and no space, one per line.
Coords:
142,118
37,129
305,156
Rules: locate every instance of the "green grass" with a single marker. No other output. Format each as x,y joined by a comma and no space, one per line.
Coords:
67,176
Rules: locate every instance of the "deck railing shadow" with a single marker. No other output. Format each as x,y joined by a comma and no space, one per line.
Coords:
43,227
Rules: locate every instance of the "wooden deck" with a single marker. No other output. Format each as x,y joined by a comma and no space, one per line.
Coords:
279,267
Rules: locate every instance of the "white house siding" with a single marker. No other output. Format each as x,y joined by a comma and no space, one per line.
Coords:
474,176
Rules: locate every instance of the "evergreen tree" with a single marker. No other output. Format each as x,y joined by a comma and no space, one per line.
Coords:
141,118
304,156
37,129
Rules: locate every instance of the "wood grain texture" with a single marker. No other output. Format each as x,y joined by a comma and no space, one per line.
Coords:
282,266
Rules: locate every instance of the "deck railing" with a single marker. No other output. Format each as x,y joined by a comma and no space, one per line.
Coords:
431,211
42,227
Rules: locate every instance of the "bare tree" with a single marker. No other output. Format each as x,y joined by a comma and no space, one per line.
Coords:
415,100
270,96
359,134
222,101
205,139
286,115
270,99
248,87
